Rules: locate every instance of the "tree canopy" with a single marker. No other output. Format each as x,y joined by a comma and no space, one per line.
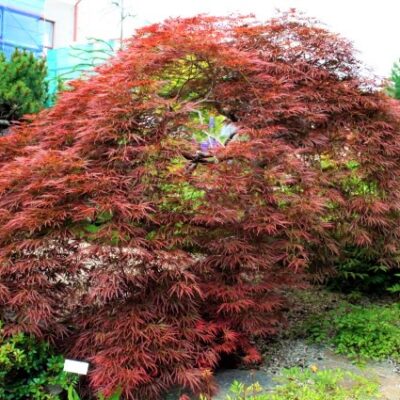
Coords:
132,246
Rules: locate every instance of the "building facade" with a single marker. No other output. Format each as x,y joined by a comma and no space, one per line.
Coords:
35,25
49,28
62,15
22,25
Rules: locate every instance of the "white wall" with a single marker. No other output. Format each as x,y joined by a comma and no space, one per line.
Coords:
62,13
99,19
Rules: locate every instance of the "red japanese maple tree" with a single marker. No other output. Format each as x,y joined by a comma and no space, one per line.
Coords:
129,246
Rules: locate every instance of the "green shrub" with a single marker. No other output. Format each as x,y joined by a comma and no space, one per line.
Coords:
359,269
23,86
30,370
298,384
361,333
394,85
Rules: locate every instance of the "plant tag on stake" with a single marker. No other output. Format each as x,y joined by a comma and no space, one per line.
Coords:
76,367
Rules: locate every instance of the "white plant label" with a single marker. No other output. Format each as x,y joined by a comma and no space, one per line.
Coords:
76,367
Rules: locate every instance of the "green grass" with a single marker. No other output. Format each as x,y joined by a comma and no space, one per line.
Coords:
359,332
298,384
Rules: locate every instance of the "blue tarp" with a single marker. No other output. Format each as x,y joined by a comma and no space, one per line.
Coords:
21,25
31,6
71,62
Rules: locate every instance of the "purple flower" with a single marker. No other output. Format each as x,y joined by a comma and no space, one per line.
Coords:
208,144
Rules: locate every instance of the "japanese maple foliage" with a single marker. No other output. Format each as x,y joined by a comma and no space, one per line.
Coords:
129,247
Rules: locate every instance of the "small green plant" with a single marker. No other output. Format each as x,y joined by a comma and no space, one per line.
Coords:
240,391
361,333
298,384
73,395
29,369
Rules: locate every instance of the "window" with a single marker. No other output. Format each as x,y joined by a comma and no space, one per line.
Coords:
48,40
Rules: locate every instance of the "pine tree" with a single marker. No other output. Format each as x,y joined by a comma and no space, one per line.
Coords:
394,88
23,86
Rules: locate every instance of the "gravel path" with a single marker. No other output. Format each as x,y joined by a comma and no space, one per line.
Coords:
297,353
291,349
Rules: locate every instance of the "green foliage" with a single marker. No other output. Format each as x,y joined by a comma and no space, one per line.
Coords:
90,229
23,86
355,184
56,86
202,118
298,384
114,396
185,77
360,332
360,270
30,370
394,87
240,391
395,288
73,395
181,197
360,267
